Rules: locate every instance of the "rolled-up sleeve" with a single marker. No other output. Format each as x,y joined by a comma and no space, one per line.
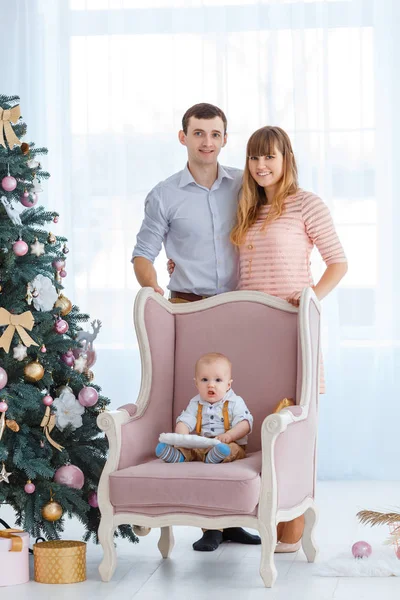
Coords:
241,413
154,228
189,415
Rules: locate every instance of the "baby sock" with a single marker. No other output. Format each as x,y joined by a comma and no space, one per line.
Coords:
168,453
218,453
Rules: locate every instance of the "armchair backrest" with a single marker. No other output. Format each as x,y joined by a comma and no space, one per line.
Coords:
260,341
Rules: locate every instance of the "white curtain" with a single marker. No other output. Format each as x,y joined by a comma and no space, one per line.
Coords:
104,84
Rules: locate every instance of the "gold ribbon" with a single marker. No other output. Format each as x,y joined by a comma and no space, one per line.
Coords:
48,424
7,117
16,541
16,322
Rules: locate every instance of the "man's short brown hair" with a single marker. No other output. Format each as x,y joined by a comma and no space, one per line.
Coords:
203,111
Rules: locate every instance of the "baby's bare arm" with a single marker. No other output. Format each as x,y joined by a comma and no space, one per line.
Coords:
181,428
237,432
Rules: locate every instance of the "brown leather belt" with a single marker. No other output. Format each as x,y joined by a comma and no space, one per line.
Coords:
188,296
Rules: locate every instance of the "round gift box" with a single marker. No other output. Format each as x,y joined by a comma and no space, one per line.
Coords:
14,566
60,561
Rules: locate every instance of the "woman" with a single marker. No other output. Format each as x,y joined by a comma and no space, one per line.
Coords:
278,224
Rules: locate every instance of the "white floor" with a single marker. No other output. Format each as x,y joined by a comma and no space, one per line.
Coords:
231,572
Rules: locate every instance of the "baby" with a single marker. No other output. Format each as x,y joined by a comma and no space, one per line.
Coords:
215,412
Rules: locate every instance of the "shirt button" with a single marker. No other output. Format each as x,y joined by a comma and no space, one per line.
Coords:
212,416
212,428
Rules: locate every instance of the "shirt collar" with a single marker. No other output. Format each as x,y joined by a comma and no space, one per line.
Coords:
187,177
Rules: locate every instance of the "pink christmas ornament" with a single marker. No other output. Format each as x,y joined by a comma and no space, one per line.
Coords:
20,248
3,406
47,400
71,476
29,487
63,273
68,358
65,249
61,326
58,264
55,220
3,378
29,201
92,499
43,349
88,396
9,183
361,550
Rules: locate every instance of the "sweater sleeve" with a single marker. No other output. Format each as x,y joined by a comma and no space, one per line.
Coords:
321,229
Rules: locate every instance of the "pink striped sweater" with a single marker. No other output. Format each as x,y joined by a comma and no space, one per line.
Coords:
277,260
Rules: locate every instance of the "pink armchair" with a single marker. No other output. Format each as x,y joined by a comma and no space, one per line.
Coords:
274,350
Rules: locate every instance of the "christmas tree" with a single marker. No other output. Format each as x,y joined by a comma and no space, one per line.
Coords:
51,450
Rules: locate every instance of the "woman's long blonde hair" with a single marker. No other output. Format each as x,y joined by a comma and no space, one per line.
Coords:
252,196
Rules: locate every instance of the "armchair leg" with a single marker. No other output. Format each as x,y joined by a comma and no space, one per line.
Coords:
308,542
106,539
166,541
268,570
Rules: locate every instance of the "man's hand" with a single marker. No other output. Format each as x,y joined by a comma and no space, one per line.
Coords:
170,266
225,438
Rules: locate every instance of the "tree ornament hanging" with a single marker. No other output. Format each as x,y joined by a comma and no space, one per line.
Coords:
32,163
71,476
37,248
29,487
8,116
3,378
20,248
25,148
64,303
46,293
61,326
4,475
33,371
28,200
65,249
11,212
52,511
48,423
20,352
51,238
16,322
8,183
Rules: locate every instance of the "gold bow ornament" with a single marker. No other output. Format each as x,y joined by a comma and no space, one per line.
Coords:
16,540
8,116
16,322
48,424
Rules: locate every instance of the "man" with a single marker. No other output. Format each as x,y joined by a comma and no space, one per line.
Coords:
192,213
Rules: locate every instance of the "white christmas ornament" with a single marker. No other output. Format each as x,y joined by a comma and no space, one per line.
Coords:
20,352
11,210
80,364
37,248
4,475
68,410
32,163
47,294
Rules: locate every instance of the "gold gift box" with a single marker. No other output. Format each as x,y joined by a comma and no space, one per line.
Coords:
60,561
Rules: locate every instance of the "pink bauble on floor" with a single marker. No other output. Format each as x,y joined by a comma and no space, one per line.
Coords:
61,326
3,378
92,499
71,476
361,549
20,248
9,183
29,200
88,396
3,406
29,487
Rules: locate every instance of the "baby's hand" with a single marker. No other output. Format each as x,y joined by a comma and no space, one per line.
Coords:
225,438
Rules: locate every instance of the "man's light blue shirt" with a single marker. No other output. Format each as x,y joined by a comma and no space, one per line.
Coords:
194,223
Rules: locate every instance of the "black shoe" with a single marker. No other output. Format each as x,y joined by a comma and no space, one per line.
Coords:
210,541
239,535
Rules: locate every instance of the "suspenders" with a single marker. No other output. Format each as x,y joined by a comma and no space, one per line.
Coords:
225,414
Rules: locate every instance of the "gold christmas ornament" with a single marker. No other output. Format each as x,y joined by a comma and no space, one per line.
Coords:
33,371
90,375
51,238
25,148
52,511
13,425
64,303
